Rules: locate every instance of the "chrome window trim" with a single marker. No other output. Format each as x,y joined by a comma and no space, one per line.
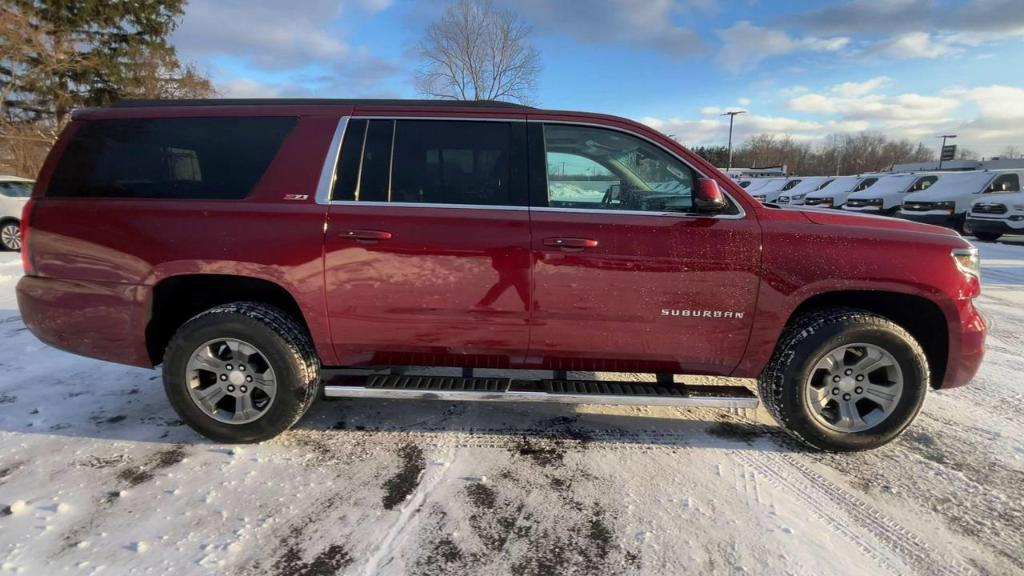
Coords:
329,170
426,205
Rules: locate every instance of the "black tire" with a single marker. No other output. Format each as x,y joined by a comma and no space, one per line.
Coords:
282,341
987,236
805,341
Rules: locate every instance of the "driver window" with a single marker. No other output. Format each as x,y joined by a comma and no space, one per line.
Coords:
604,169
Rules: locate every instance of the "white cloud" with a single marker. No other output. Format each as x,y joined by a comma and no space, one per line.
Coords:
711,110
854,89
812,103
913,45
745,45
994,102
744,101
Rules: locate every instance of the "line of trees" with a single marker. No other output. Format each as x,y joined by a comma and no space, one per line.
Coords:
837,154
56,56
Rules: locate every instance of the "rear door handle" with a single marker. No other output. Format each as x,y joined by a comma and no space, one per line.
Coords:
570,244
366,235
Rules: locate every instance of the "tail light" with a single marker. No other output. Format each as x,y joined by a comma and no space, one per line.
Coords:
26,252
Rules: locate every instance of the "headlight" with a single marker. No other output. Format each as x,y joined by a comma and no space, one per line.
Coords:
798,196
967,261
874,202
1018,207
828,200
951,206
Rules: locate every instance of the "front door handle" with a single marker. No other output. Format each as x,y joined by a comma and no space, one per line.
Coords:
570,244
368,236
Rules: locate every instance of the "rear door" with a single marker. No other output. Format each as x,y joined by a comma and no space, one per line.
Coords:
627,277
427,244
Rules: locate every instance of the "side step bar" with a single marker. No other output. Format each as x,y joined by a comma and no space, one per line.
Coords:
559,391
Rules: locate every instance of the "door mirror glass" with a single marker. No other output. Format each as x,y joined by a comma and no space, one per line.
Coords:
709,198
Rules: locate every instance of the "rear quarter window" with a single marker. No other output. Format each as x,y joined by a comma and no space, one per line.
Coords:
201,158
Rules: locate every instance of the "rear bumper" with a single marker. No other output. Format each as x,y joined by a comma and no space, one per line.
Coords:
103,320
967,345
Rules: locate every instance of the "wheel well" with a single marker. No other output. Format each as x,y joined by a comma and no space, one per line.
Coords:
179,298
919,316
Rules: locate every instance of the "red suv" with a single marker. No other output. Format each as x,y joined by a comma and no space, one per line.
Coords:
248,245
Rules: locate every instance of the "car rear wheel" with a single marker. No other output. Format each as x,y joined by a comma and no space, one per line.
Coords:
845,380
10,236
241,372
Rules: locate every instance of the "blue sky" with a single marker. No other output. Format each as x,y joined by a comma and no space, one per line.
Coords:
910,68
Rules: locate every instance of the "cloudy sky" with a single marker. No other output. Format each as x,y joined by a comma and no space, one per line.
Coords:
911,68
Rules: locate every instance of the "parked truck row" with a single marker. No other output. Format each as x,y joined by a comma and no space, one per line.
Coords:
964,201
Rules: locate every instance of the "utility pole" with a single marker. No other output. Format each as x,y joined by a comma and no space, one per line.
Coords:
944,136
732,116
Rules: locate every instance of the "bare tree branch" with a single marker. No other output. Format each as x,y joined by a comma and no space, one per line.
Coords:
478,52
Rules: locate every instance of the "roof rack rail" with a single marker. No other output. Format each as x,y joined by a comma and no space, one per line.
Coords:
128,103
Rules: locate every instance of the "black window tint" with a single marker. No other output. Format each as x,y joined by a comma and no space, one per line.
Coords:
373,183
348,161
452,162
221,158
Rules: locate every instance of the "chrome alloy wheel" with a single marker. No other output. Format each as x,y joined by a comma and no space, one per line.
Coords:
854,388
231,381
10,236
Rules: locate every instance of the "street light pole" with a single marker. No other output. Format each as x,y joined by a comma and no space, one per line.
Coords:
944,136
732,115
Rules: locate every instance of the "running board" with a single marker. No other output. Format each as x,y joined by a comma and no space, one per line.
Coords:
558,391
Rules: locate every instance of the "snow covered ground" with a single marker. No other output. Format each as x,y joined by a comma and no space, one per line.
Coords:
97,475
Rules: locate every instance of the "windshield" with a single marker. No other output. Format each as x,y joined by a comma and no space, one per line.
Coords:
891,184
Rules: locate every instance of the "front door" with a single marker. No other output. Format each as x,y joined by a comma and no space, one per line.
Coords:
627,277
427,244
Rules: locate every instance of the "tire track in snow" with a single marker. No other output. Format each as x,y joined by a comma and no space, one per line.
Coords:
427,482
821,495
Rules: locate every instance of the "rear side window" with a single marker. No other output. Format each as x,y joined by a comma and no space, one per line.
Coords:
452,163
202,158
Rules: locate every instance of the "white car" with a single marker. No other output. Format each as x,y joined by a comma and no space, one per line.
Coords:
834,194
14,193
946,202
797,188
886,196
770,190
992,216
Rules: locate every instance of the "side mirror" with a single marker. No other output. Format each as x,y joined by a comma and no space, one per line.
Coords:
709,198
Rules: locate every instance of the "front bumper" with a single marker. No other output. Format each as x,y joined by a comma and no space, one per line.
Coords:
967,345
994,226
936,217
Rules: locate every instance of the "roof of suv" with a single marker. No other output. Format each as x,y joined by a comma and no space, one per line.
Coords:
314,102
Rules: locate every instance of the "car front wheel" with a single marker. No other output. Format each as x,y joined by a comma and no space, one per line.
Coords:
845,380
241,372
